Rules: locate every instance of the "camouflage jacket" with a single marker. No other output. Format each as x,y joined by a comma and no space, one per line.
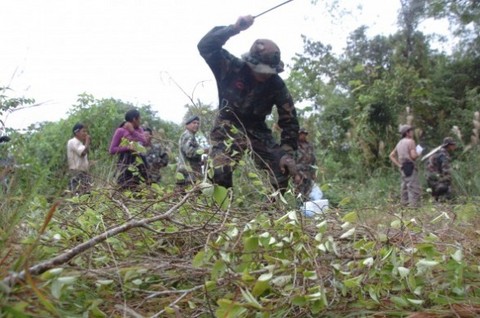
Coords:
438,167
189,154
306,158
243,100
156,158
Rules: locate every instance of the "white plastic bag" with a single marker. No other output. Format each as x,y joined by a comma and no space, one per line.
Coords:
419,149
315,193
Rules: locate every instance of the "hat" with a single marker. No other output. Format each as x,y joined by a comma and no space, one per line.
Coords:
77,127
303,131
264,57
448,141
189,120
404,129
4,139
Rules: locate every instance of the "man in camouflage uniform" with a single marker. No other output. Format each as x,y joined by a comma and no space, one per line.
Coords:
306,162
189,163
248,88
156,157
439,178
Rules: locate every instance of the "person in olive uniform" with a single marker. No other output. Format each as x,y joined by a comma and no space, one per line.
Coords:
439,177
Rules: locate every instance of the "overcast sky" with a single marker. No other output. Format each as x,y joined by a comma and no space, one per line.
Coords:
53,50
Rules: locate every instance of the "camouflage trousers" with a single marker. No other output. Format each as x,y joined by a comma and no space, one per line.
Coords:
410,190
440,188
306,184
230,143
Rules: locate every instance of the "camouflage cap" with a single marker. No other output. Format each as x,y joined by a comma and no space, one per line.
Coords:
448,141
264,57
404,129
191,119
303,131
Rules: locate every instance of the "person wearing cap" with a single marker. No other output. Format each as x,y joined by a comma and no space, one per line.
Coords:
306,162
189,160
77,157
248,88
404,156
439,177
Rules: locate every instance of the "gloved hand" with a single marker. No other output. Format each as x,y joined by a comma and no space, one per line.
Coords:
288,165
244,23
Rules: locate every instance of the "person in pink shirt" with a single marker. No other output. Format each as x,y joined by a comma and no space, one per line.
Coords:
128,143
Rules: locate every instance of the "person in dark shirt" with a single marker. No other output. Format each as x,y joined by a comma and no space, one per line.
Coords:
248,88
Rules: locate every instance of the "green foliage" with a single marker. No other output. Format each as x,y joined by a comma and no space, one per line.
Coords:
43,148
9,103
248,251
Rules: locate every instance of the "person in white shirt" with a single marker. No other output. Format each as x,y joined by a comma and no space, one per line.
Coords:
77,155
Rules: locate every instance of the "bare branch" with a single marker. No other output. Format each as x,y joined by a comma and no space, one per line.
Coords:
63,258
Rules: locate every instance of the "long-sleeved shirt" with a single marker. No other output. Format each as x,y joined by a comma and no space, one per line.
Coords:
438,167
243,100
189,158
120,133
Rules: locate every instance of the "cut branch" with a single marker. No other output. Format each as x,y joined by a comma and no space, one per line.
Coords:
63,258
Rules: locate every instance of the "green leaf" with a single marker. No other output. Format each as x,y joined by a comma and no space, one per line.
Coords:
353,282
199,259
52,273
415,301
426,263
4,288
403,271
14,313
220,195
137,281
218,269
169,310
250,299
344,202
179,176
396,224
348,233
299,300
56,289
399,301
373,295
229,309
265,277
246,277
260,287
281,281
210,285
351,217
104,281
251,244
